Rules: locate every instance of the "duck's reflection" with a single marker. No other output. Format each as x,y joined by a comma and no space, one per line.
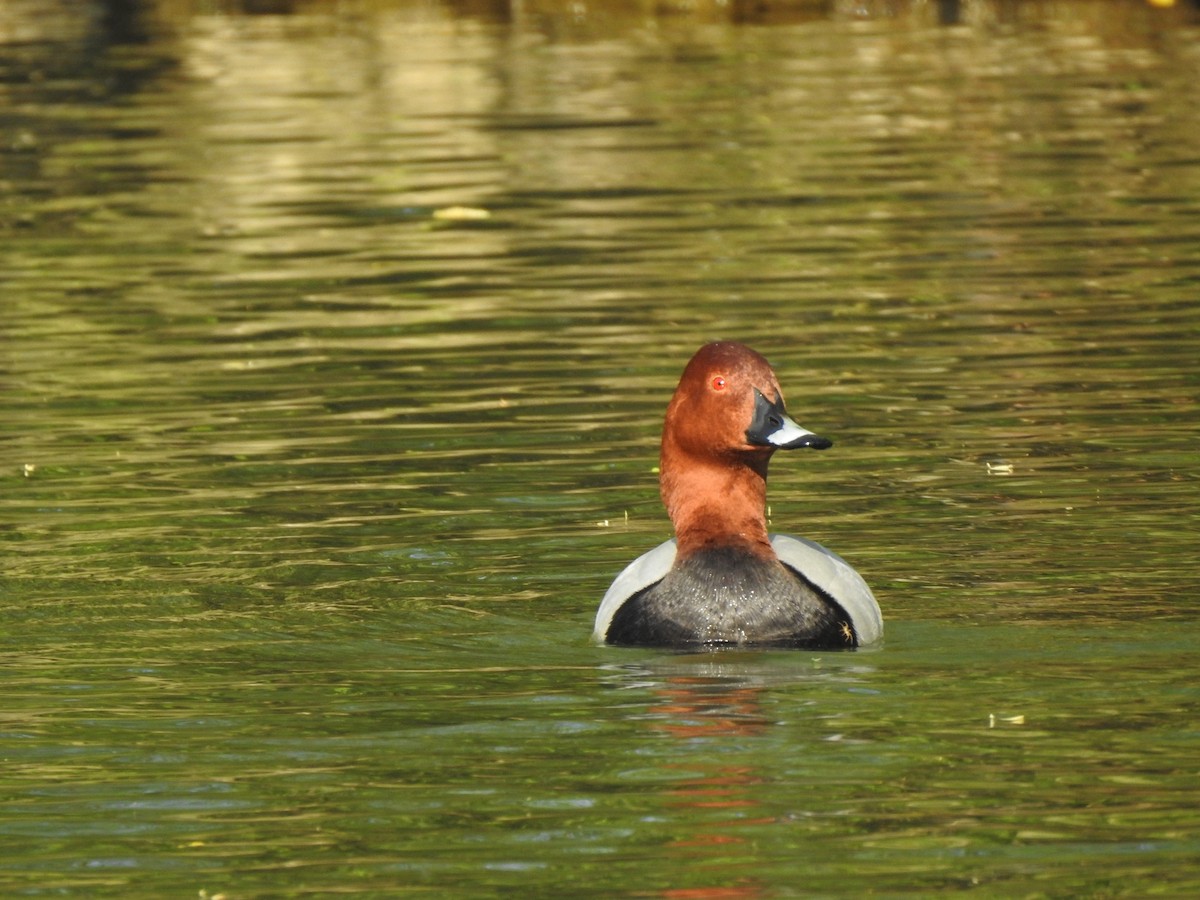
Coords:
692,707
718,711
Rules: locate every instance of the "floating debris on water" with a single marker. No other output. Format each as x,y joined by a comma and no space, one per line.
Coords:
461,214
1004,720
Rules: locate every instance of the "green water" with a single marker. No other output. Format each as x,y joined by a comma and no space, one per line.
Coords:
333,354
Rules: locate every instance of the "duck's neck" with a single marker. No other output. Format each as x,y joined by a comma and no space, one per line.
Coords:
717,505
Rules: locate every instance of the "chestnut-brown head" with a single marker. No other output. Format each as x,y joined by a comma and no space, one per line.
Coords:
723,424
729,402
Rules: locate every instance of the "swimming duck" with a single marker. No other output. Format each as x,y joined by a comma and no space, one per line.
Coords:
723,580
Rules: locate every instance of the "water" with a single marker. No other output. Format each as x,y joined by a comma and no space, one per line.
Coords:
335,351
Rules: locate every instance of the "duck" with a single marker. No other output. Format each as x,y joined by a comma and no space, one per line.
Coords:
723,580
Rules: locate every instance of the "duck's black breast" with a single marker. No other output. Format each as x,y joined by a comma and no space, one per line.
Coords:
723,596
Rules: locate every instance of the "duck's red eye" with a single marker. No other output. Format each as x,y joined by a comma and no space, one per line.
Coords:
718,383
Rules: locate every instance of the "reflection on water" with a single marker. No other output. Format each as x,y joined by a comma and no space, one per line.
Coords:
335,352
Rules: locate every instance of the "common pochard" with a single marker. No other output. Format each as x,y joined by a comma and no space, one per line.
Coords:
723,580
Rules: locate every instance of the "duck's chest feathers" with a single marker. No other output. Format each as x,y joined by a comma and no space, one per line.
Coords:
722,596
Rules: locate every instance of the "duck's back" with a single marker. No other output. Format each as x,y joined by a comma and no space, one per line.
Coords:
725,596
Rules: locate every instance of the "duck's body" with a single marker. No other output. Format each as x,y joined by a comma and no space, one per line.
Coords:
721,598
723,580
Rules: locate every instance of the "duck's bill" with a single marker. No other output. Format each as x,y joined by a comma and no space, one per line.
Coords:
773,427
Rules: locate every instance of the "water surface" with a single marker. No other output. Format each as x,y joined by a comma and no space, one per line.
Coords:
335,351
